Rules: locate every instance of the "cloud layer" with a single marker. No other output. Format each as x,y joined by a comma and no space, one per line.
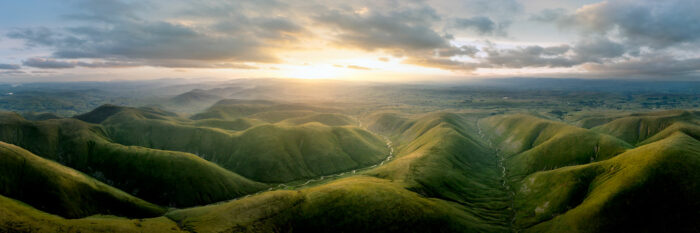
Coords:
624,37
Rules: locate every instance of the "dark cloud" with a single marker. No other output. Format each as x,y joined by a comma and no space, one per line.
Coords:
482,25
465,50
654,66
121,34
47,63
596,50
654,24
9,67
408,29
530,56
50,63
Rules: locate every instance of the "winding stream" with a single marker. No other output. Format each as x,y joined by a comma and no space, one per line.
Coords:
505,182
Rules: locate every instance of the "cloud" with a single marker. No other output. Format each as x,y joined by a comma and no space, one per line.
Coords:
597,49
47,63
654,24
441,63
123,35
655,66
465,50
358,67
482,25
549,15
9,67
407,29
591,50
529,56
11,72
50,63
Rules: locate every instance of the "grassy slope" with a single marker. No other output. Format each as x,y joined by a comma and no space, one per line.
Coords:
440,155
441,159
532,144
161,177
356,204
293,151
57,189
637,128
234,108
652,188
16,216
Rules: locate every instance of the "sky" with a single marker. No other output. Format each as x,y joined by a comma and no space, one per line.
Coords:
379,40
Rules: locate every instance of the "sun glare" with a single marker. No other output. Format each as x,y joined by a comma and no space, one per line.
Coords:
324,71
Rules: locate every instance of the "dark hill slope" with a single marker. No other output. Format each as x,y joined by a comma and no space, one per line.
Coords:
16,216
60,190
637,128
40,116
652,188
103,112
532,144
161,177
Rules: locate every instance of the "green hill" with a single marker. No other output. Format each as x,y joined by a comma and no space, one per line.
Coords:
16,216
329,119
236,124
57,189
449,172
441,155
236,108
357,204
294,151
40,116
652,188
161,177
532,144
638,127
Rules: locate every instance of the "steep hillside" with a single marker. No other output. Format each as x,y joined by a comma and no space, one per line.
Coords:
60,190
161,177
16,216
652,188
636,128
441,155
532,144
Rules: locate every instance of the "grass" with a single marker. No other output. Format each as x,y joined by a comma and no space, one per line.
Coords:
532,144
652,188
163,177
636,128
16,216
296,148
356,204
57,189
446,175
